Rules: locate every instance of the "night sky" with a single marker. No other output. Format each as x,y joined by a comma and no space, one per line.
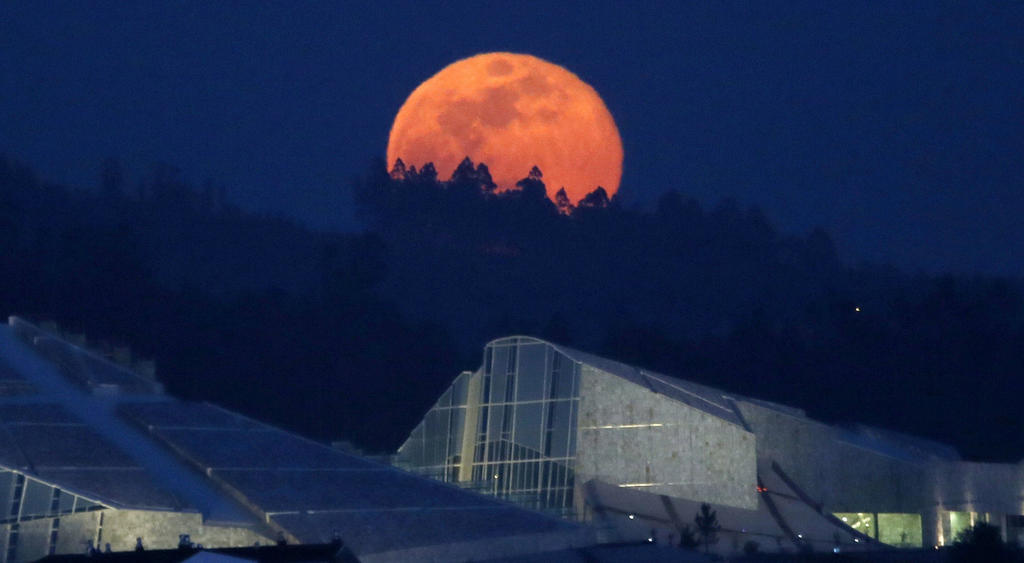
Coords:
897,128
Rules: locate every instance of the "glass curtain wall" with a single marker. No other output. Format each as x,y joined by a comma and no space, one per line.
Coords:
508,430
24,498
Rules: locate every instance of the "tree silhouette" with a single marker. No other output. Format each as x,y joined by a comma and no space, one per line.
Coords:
398,170
428,174
483,175
565,207
983,542
532,194
464,172
532,185
707,526
596,199
687,537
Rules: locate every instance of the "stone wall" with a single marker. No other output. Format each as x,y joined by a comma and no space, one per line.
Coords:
842,476
845,477
160,530
119,528
631,436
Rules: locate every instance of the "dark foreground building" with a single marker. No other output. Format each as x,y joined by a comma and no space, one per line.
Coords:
95,455
637,453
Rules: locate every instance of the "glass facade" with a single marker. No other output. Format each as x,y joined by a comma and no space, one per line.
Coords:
892,528
24,498
508,429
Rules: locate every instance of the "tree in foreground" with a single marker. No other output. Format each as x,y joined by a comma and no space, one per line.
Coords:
707,526
984,542
687,537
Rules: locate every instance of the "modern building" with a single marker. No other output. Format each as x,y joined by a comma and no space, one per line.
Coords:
637,452
95,455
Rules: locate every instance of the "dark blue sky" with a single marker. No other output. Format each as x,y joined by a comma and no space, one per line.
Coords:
898,127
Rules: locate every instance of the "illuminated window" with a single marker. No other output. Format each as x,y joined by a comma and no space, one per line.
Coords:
900,529
958,523
863,522
895,529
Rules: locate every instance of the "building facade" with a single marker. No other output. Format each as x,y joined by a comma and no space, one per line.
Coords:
561,430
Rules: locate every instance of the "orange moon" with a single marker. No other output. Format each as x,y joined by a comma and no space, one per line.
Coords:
511,112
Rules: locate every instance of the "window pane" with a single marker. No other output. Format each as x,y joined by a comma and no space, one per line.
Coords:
900,530
498,382
531,372
528,429
562,372
560,430
459,389
500,359
37,499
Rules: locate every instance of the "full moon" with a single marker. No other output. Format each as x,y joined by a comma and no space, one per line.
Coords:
511,112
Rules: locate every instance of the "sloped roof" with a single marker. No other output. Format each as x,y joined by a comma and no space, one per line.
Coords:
707,399
61,432
314,492
130,446
720,404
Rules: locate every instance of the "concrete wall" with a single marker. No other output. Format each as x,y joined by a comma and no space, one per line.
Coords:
159,530
978,487
845,477
689,454
841,476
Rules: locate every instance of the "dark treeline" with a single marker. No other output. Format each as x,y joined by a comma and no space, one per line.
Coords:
255,313
354,335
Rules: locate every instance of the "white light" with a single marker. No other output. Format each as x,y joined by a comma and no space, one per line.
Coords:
623,426
632,516
495,475
650,540
801,536
856,540
835,550
844,519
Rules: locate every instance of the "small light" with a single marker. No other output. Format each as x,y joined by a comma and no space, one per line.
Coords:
650,540
857,540
835,549
801,536
632,516
495,475
844,519
857,309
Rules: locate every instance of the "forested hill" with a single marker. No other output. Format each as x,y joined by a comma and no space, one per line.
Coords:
353,335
